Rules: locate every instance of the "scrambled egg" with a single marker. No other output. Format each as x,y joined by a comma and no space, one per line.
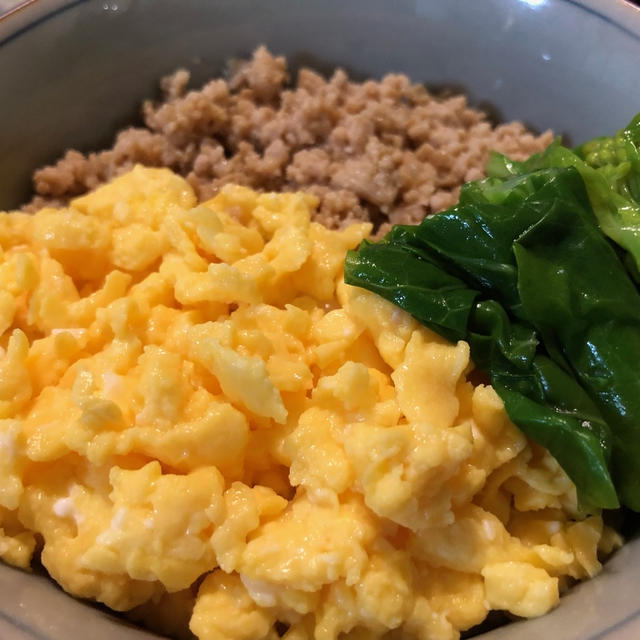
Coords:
203,425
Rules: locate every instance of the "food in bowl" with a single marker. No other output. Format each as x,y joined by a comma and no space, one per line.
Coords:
385,152
537,267
205,427
202,401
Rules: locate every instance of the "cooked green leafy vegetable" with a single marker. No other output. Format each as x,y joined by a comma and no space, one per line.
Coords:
520,269
610,168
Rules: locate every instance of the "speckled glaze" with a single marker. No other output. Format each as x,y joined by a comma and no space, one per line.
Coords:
74,71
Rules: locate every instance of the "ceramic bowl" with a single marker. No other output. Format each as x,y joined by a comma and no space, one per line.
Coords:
72,72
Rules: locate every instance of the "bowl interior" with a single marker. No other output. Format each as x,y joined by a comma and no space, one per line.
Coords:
73,73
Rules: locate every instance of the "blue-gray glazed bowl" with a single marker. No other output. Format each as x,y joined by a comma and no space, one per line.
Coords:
72,72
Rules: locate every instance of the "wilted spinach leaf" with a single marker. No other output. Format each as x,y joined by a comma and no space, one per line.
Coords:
520,270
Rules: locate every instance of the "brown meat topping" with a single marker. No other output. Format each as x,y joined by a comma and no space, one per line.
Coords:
385,151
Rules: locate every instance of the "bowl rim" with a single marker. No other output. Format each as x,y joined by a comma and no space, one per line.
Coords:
623,14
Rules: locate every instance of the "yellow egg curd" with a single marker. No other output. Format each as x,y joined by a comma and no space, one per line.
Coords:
203,425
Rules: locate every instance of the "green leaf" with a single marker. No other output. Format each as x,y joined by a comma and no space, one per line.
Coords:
531,284
437,299
590,306
610,168
575,445
545,402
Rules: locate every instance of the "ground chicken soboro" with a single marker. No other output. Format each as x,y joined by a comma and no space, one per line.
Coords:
386,151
